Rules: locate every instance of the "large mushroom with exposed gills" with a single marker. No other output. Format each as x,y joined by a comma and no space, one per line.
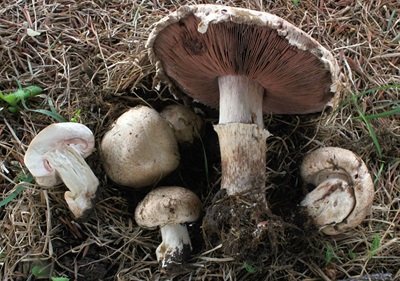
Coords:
56,155
343,193
247,63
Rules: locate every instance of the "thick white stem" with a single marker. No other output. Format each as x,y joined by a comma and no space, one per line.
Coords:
241,100
242,138
76,174
175,246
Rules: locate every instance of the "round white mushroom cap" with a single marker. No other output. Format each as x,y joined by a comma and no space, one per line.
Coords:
168,205
344,189
53,137
140,149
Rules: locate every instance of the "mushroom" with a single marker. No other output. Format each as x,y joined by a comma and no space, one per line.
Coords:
170,208
247,63
140,148
186,124
344,189
57,155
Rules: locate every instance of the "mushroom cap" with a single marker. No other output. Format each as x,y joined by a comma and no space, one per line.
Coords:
195,45
140,148
55,136
168,205
186,124
325,164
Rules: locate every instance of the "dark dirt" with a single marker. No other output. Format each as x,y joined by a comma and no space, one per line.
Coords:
247,229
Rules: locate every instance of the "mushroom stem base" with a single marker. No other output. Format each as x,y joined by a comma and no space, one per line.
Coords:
243,157
246,228
175,247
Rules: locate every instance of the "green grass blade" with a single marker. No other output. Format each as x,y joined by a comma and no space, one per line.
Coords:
372,134
383,114
370,129
51,114
19,188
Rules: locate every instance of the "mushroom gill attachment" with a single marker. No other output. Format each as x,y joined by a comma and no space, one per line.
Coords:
140,148
343,193
170,208
57,155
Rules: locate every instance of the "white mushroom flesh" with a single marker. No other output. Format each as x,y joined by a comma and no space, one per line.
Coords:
330,202
57,155
73,170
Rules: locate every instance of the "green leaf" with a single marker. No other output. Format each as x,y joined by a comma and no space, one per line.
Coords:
249,268
296,2
40,271
59,279
375,244
19,188
13,99
77,116
352,255
22,177
329,253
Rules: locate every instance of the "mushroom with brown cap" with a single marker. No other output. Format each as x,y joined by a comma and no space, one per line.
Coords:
248,63
57,155
170,208
187,125
140,148
343,192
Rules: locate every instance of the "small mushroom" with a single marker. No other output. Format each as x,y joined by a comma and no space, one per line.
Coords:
140,148
57,155
344,189
186,124
170,208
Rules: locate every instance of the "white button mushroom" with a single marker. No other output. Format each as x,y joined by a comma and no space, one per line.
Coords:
344,189
186,124
169,208
57,155
140,149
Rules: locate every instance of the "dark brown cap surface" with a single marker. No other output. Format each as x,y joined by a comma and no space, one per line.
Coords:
197,44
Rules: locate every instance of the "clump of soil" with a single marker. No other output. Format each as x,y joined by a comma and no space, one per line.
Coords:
247,228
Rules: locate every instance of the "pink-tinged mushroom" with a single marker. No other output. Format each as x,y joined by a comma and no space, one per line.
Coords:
246,63
57,155
343,192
